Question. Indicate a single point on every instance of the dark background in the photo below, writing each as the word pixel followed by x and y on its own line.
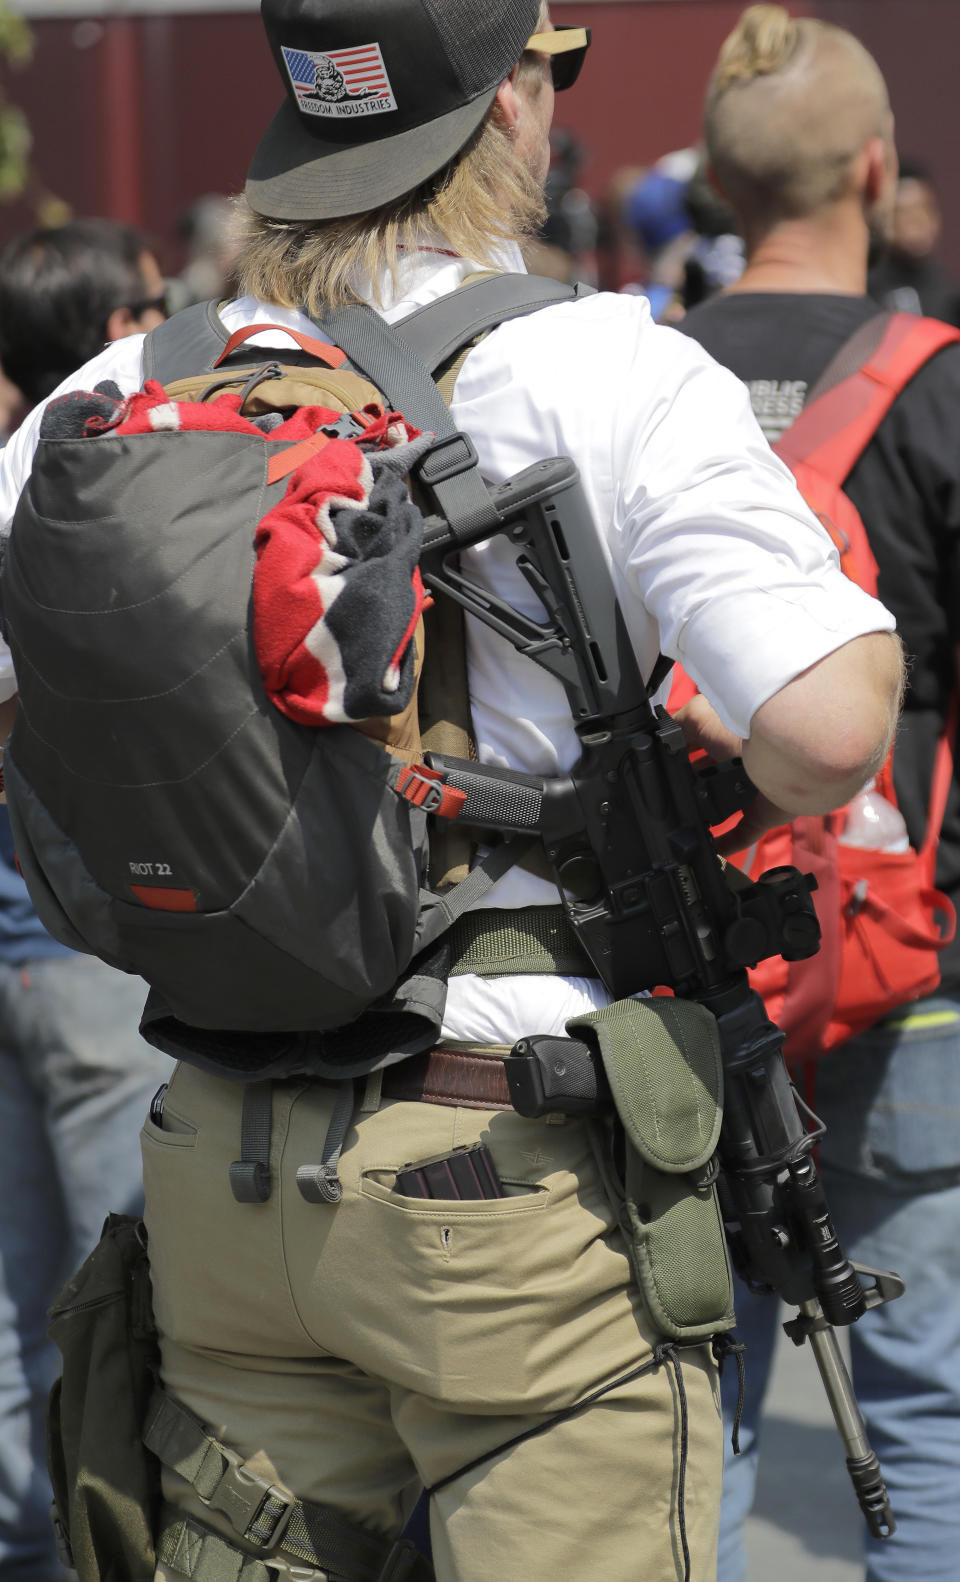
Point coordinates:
pixel 134 116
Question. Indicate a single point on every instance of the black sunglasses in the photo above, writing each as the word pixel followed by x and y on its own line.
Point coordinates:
pixel 567 47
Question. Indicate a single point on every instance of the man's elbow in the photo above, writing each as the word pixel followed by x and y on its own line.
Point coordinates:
pixel 824 734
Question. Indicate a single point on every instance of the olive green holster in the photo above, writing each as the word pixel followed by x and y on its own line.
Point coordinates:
pixel 662 1060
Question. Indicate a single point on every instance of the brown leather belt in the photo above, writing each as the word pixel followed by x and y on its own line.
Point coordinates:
pixel 468 1076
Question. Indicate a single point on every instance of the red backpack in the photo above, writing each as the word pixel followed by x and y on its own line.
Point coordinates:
pixel 883 920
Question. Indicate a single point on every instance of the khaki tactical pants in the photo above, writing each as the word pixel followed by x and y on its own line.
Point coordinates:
pixel 386 1342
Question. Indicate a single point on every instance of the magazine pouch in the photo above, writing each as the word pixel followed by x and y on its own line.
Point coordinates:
pixel 662 1060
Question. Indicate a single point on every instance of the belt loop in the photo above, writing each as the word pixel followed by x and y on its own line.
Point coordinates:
pixel 370 1103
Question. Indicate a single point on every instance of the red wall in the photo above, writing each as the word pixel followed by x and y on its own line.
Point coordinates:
pixel 135 117
pixel 917 43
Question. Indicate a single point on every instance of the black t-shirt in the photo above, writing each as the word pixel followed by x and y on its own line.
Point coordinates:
pixel 906 487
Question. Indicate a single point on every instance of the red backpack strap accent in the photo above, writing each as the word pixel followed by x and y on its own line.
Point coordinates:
pixel 838 423
pixel 284 462
pixel 332 356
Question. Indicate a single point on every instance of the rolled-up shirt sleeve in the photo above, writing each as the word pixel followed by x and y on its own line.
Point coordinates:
pixel 715 539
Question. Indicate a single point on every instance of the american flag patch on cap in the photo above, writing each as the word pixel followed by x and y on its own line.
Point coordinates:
pixel 344 82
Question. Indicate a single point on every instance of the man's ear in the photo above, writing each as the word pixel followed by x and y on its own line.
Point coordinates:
pixel 120 324
pixel 508 103
pixel 877 172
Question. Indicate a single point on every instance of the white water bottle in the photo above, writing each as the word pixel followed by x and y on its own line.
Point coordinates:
pixel 874 822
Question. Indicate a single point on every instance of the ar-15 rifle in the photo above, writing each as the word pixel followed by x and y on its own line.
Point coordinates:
pixel 627 836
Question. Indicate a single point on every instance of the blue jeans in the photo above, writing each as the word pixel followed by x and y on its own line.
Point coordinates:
pixel 891 1167
pixel 75 1083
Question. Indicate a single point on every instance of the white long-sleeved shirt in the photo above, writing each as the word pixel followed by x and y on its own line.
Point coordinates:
pixel 715 557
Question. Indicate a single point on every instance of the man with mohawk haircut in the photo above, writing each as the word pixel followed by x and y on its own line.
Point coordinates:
pixel 800 135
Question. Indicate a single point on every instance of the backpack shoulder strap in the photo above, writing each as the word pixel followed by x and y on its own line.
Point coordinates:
pixel 188 343
pixel 430 335
pixel 391 362
pixel 858 389
pixel 441 328
pixel 940 782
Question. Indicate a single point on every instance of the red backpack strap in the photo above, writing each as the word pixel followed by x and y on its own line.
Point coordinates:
pixel 844 413
pixel 940 782
pixel 332 356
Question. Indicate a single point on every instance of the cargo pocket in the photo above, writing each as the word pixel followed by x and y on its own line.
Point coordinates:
pixel 662 1059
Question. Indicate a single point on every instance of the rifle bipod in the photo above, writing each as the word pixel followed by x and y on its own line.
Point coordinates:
pixel 862 1464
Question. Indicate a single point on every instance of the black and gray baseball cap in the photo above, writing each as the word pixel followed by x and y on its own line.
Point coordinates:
pixel 380 95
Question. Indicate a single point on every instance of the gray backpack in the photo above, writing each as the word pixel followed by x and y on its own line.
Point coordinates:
pixel 267 878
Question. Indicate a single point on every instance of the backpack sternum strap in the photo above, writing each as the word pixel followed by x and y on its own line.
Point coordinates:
pixel 264 1515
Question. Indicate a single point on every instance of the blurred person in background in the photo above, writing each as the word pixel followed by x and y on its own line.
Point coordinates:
pixel 12 407
pixel 76 1079
pixel 905 275
pixel 655 210
pixel 621 262
pixel 718 256
pixel 800 135
pixel 570 231
pixel 68 291
pixel 207 229
pixel 689 234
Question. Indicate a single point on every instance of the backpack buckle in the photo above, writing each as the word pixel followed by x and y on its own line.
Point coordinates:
pixel 447 458
pixel 423 792
pixel 427 789
pixel 258 1511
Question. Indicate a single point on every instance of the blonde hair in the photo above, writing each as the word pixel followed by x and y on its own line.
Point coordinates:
pixel 762 42
pixel 484 197
pixel 790 105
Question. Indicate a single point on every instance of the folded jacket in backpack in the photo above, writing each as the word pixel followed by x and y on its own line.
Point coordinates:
pixel 336 590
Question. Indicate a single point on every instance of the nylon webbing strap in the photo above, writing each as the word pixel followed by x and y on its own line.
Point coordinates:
pixel 188 343
pixel 321 1183
pixel 449 469
pixel 853 355
pixel 250 1174
pixel 264 1515
pixel 202 1555
pixel 495 943
pixel 834 429
pixel 389 363
pixel 479 881
pixel 446 727
pixel 436 330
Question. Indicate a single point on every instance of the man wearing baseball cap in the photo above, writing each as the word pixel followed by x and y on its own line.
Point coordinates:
pixel 497 1351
